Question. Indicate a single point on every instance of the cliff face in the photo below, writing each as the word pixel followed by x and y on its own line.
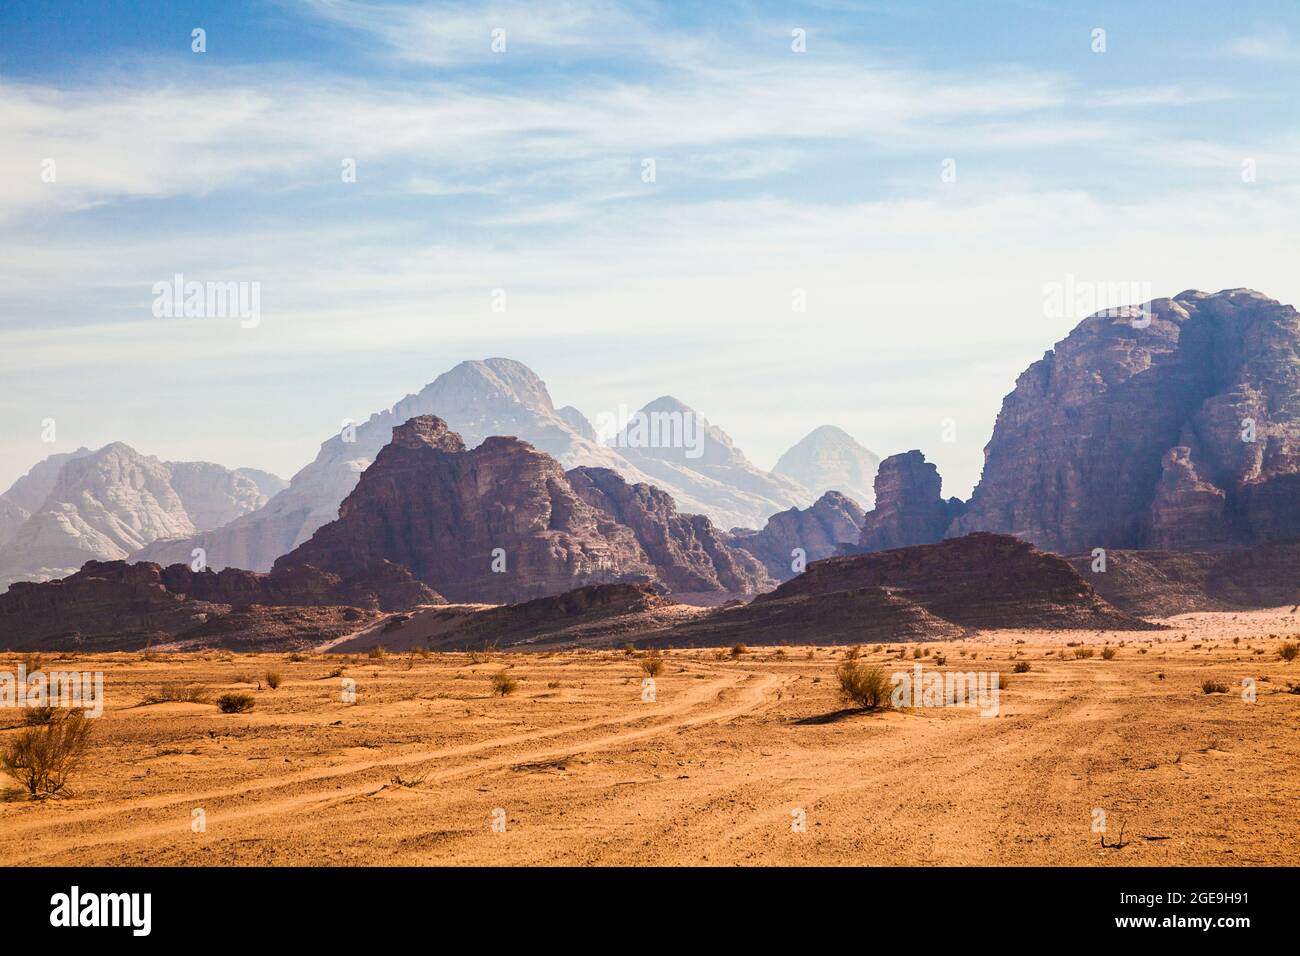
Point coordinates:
pixel 688 552
pixel 1126 437
pixel 451 516
pixel 909 507
pixel 820 530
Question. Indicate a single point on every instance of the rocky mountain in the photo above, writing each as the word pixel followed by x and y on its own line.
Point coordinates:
pixel 699 465
pixel 108 503
pixel 113 605
pixel 909 507
pixel 478 399
pixel 452 515
pixel 820 530
pixel 688 552
pixel 1181 432
pixel 29 492
pixel 1165 583
pixel 828 459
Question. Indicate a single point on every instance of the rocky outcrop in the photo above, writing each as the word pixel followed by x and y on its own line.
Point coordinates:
pixel 689 554
pixel 909 507
pixel 109 503
pixel 113 605
pixel 828 459
pixel 1137 435
pixel 1165 583
pixel 498 523
pixel 819 530
pixel 977 581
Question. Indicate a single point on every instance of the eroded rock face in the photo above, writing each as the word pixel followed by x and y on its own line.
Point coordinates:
pixel 116 605
pixel 1134 437
pixel 818 530
pixel 909 507
pixel 451 515
pixel 688 552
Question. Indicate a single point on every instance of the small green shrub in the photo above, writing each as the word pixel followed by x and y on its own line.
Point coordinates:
pixel 235 703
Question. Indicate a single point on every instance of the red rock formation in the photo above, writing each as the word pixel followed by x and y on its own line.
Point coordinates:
pixel 688 552
pixel 819 530
pixel 909 508
pixel 450 515
pixel 1078 456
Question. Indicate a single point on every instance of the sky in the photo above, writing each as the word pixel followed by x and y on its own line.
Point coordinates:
pixel 785 215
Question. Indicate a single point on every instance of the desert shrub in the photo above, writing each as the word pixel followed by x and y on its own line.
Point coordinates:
pixel 867 687
pixel 503 684
pixel 32 662
pixel 916 653
pixel 1083 653
pixel 738 649
pixel 553 684
pixel 851 653
pixel 377 653
pixel 1021 667
pixel 273 679
pixel 187 693
pixel 1211 686
pixel 1289 651
pixel 940 660
pixel 653 664
pixel 235 703
pixel 1108 653
pixel 629 649
pixel 295 658
pixel 42 758
pixel 338 672
pixel 40 716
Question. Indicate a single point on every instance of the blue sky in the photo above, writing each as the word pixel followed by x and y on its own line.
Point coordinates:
pixel 522 170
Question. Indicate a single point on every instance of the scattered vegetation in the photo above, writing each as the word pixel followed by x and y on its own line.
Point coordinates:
pixel 867 687
pixel 1083 653
pixel 1289 651
pixel 1211 686
pixel 1108 653
pixel 503 684
pixel 1021 667
pixel 377 653
pixel 237 703
pixel 653 664
pixel 40 716
pixel 737 650
pixel 42 758
pixel 273 679
pixel 182 693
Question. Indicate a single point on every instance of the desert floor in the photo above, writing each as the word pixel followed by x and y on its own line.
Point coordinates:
pixel 713 771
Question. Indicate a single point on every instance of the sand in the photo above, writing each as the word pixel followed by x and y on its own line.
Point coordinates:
pixel 722 767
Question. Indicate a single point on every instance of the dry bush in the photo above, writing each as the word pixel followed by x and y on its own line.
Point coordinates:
pixel 653 664
pixel 295 658
pixel 32 662
pixel 186 693
pixel 1211 686
pixel 916 653
pixel 377 653
pixel 503 684
pixel 738 649
pixel 1108 653
pixel 1021 667
pixel 851 653
pixel 235 703
pixel 1289 651
pixel 1083 653
pixel 273 679
pixel 40 716
pixel 42 758
pixel 867 687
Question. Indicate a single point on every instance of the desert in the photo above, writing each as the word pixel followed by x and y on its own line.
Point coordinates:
pixel 742 757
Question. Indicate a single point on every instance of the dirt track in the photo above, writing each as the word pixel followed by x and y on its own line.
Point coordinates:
pixel 709 772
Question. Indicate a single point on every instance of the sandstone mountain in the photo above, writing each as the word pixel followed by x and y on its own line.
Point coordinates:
pixel 111 502
pixel 828 459
pixel 820 530
pixel 1165 583
pixel 909 507
pixel 451 515
pixel 29 492
pixel 701 467
pixel 1179 434
pixel 688 552
pixel 477 399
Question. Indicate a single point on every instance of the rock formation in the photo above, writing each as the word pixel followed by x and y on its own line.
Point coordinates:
pixel 478 399
pixel 819 530
pixel 909 507
pixel 451 516
pixel 1183 433
pixel 689 554
pixel 106 504
pixel 828 459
